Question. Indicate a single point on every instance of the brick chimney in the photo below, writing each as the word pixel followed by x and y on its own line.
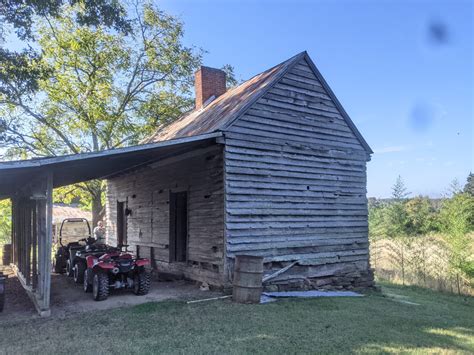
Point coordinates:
pixel 208 82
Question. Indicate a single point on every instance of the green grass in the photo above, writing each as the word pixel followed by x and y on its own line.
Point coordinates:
pixel 378 323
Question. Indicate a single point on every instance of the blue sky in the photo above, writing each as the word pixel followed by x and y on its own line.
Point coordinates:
pixel 403 70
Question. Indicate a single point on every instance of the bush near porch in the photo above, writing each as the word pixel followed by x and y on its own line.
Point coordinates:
pixel 400 319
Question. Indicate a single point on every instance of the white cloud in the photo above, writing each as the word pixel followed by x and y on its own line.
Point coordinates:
pixel 392 149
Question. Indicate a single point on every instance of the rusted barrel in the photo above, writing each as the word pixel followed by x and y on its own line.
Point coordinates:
pixel 247 286
pixel 7 254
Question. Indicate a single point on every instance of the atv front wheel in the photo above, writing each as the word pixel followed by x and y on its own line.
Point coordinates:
pixel 141 283
pixel 100 286
pixel 87 287
pixel 79 269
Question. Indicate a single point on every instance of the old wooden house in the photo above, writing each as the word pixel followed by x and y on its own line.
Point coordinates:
pixel 276 169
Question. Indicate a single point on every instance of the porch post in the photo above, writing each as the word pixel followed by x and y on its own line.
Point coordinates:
pixel 45 220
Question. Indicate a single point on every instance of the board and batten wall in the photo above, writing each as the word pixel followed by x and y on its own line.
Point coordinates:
pixel 295 181
pixel 147 192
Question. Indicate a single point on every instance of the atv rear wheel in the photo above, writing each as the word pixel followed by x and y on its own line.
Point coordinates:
pixel 141 283
pixel 69 268
pixel 58 266
pixel 100 286
pixel 87 287
pixel 78 271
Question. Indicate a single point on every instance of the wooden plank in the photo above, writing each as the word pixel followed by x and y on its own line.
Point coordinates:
pixel 286 231
pixel 334 144
pixel 316 149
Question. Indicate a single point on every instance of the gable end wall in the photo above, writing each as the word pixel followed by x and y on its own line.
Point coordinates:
pixel 295 180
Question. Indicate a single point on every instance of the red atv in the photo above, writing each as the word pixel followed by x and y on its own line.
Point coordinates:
pixel 116 270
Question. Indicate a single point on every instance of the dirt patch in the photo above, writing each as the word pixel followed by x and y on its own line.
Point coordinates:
pixel 67 298
pixel 17 301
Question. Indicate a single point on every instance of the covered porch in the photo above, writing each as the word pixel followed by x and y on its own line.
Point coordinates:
pixel 30 183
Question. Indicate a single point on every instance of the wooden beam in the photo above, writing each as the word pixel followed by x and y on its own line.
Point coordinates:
pixel 185 155
pixel 48 243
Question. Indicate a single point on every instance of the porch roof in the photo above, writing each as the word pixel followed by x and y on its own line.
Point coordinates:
pixel 70 169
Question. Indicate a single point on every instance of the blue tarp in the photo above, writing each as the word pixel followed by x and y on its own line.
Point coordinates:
pixel 267 296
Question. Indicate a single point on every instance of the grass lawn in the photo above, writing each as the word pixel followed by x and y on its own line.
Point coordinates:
pixel 401 319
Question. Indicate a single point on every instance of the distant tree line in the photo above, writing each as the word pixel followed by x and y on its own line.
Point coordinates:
pixel 404 220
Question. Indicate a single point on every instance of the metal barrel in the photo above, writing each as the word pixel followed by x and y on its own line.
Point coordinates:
pixel 247 284
pixel 7 254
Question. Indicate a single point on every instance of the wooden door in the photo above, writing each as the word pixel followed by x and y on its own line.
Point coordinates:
pixel 121 224
pixel 178 226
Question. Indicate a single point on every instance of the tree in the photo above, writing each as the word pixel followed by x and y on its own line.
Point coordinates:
pixel 5 221
pixel 454 187
pixel 457 221
pixel 469 187
pixel 98 89
pixel 22 13
pixel 399 190
pixel 396 222
pixel 421 216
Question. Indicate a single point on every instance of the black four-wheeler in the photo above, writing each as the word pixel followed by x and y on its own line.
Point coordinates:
pixel 116 270
pixel 79 261
pixel 69 244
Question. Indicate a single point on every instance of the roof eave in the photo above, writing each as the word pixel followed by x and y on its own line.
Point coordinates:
pixel 65 158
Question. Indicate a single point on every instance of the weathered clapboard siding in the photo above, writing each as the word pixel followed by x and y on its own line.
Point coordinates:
pixel 146 193
pixel 295 182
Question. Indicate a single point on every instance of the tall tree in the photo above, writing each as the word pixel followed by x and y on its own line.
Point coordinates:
pixel 457 223
pixel 469 187
pixel 98 88
pixel 22 16
pixel 454 187
pixel 399 190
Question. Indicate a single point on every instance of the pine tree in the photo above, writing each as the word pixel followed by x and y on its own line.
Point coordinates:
pixel 399 190
pixel 469 187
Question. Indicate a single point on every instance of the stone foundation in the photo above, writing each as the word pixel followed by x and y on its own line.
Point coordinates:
pixel 302 279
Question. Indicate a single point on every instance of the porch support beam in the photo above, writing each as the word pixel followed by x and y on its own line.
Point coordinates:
pixel 32 235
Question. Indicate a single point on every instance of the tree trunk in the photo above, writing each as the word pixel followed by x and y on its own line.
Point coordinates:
pixel 98 210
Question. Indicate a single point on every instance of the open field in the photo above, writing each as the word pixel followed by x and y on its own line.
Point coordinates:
pixel 422 261
pixel 404 319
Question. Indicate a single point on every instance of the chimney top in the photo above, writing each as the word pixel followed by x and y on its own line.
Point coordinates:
pixel 208 82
